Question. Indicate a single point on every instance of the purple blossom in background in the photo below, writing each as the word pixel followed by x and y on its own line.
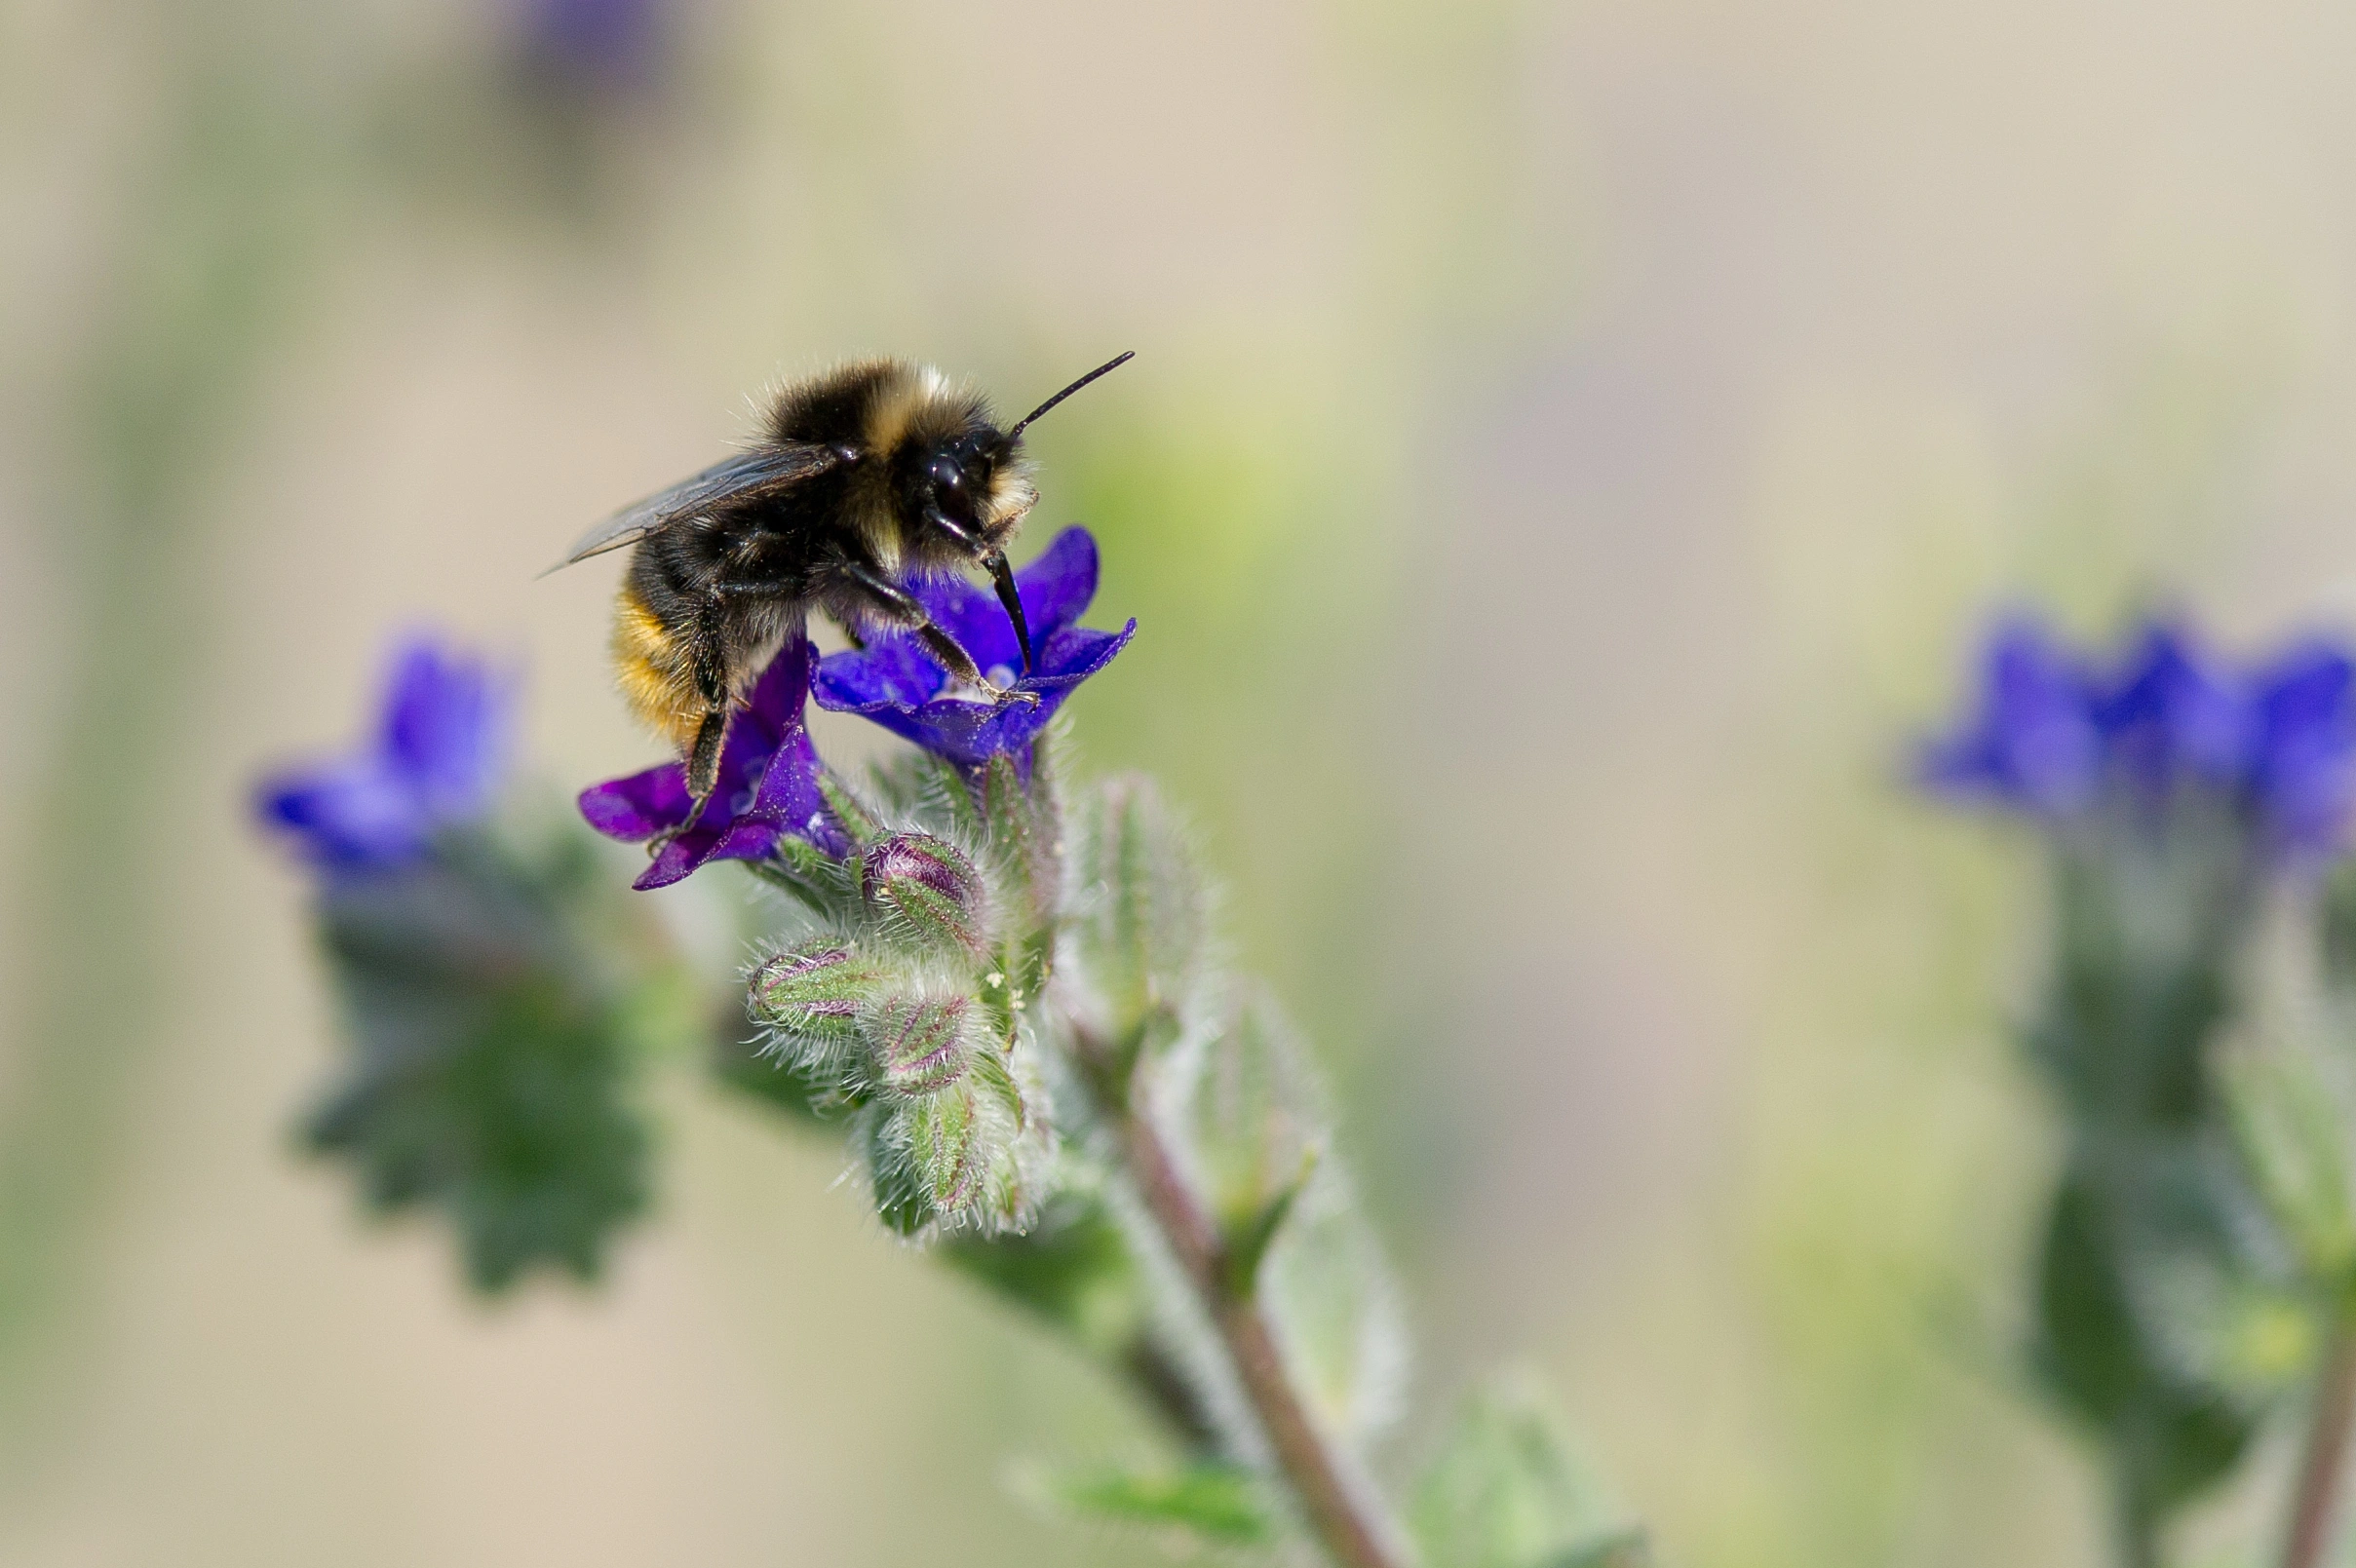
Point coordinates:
pixel 436 760
pixel 896 683
pixel 2054 734
pixel 2174 713
pixel 2304 757
pixel 767 787
pixel 2032 743
pixel 615 44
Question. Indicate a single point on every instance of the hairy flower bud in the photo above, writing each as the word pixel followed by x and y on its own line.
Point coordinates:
pixel 943 1139
pixel 816 989
pixel 929 884
pixel 919 1043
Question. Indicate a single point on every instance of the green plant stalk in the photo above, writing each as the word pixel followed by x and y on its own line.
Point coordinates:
pixel 1337 1501
pixel 2322 1464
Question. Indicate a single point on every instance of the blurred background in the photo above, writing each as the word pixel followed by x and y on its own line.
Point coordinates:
pixel 1568 449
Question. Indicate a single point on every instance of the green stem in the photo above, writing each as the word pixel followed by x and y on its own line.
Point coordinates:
pixel 2315 1502
pixel 1338 1500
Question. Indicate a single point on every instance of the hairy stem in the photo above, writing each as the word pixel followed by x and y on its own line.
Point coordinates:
pixel 2321 1466
pixel 1337 1498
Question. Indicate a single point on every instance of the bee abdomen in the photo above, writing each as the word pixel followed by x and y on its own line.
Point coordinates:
pixel 652 668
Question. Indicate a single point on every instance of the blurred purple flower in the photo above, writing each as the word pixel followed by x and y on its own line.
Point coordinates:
pixel 767 788
pixel 2049 736
pixel 2171 714
pixel 2302 767
pixel 436 760
pixel 615 44
pixel 896 683
pixel 2032 741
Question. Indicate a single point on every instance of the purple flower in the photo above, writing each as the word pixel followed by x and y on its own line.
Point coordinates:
pixel 2172 714
pixel 896 683
pixel 767 787
pixel 2033 742
pixel 2047 737
pixel 2302 771
pixel 435 761
pixel 617 44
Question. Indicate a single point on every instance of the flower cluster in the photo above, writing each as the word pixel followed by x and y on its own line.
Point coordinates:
pixel 904 1009
pixel 2057 734
pixel 902 1006
pixel 771 781
pixel 493 1063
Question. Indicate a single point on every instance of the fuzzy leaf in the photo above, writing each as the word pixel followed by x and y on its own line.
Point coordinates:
pixel 1248 1243
pixel 1252 1120
pixel 1216 1505
pixel 2106 1351
pixel 941 1133
pixel 1503 1492
pixel 490 1081
pixel 1021 836
pixel 1137 941
pixel 2293 1137
pixel 856 820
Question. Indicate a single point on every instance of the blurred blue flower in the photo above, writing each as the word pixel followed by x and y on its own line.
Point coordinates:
pixel 617 44
pixel 2032 741
pixel 2053 736
pixel 767 787
pixel 436 760
pixel 2302 770
pixel 2172 714
pixel 895 682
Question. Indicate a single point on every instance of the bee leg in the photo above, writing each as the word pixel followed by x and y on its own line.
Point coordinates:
pixel 899 605
pixel 702 776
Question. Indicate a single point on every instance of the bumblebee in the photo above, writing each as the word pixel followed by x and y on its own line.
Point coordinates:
pixel 864 478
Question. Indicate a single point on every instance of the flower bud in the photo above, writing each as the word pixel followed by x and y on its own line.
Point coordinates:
pixel 928 883
pixel 943 1142
pixel 816 989
pixel 919 1043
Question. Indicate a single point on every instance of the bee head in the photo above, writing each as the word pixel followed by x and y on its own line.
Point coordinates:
pixel 970 492
pixel 971 487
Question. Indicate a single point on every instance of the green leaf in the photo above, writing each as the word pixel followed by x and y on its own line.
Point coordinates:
pixel 1021 835
pixel 517 1128
pixel 494 1074
pixel 1627 1549
pixel 1503 1492
pixel 2293 1141
pixel 1252 1119
pixel 1138 933
pixel 1248 1245
pixel 1216 1505
pixel 856 820
pixel 2110 1349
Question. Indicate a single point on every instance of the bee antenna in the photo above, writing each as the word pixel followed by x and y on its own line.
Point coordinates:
pixel 1113 363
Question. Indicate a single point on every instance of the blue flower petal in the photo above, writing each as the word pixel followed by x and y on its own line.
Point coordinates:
pixel 436 760
pixel 766 788
pixel 2032 741
pixel 894 682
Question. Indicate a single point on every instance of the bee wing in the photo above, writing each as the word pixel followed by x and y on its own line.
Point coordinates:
pixel 747 475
